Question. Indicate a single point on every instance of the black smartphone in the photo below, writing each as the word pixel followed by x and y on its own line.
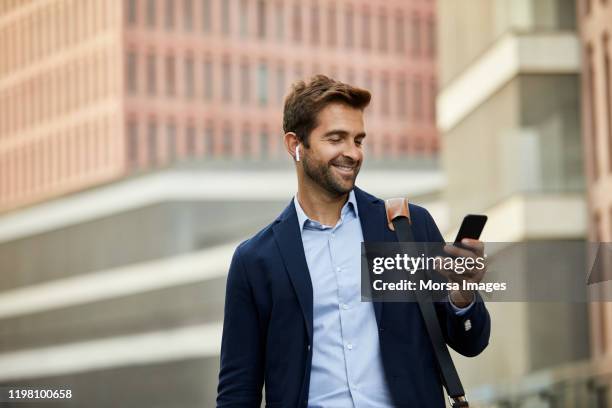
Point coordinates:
pixel 471 227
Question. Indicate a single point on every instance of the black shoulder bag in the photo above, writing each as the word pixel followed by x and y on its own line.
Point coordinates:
pixel 398 218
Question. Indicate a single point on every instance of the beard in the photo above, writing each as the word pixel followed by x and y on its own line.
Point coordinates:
pixel 330 180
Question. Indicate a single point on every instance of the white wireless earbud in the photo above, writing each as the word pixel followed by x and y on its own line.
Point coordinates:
pixel 297 153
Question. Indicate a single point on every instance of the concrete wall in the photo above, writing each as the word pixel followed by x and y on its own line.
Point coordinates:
pixel 466 32
pixel 524 138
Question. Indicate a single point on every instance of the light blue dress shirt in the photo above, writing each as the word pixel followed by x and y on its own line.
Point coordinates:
pixel 347 368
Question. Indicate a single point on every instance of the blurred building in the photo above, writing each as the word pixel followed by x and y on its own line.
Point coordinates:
pixel 595 30
pixel 140 142
pixel 94 90
pixel 117 292
pixel 509 118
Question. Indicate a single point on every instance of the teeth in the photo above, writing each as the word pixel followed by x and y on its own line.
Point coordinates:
pixel 344 167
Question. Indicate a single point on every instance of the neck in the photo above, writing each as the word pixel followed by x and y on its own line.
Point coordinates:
pixel 319 204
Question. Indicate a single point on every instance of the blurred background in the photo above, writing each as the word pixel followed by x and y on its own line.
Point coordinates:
pixel 140 142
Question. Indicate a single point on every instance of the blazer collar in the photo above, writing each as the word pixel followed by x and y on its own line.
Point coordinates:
pixel 287 233
pixel 288 237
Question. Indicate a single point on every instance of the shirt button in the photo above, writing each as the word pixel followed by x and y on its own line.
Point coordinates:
pixel 308 347
pixel 349 346
pixel 338 269
pixel 344 306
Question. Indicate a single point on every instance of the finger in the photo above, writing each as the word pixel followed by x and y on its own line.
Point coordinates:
pixel 446 264
pixel 443 263
pixel 453 276
pixel 461 252
pixel 475 245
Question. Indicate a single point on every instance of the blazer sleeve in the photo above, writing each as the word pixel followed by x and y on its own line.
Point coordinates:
pixel 468 334
pixel 241 373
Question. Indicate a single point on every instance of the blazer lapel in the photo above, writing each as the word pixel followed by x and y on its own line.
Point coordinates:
pixel 289 240
pixel 373 225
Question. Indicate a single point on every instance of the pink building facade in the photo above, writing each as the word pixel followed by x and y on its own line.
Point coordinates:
pixel 95 90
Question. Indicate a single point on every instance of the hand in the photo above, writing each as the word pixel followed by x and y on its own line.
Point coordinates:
pixel 474 248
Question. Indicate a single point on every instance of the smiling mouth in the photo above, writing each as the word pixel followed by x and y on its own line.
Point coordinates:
pixel 348 170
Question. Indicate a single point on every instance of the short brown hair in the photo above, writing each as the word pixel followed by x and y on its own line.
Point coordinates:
pixel 307 99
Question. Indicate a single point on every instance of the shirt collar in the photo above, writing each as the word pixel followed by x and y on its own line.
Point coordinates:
pixel 350 205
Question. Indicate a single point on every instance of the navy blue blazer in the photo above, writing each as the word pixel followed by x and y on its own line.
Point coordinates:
pixel 267 328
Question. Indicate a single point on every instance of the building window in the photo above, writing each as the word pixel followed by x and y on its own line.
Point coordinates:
pixel 349 27
pixel 261 18
pixel 170 75
pixel 297 22
pixel 608 91
pixel 262 84
pixel 387 146
pixel 264 143
pixel 593 113
pixel 417 105
pixel 350 76
pixel 188 14
pixel 227 140
pixel 597 230
pixel 333 72
pixel 416 35
pixel 227 81
pixel 280 84
pixel 208 80
pixel 246 142
pixel 366 35
pixel 171 140
pixel 206 14
pixel 245 83
pixel 404 145
pixel 152 142
pixel 315 26
pixel 610 222
pixel 209 140
pixel 383 31
pixel 400 33
pixel 131 12
pixel 151 13
pixel 225 18
pixel 332 26
pixel 280 21
pixel 368 81
pixel 299 71
pixel 431 37
pixel 189 78
pixel 169 15
pixel 151 74
pixel 131 72
pixel 385 95
pixel 132 144
pixel 401 96
pixel 433 90
pixel 190 140
pixel 244 18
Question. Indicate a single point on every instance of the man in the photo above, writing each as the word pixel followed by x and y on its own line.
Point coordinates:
pixel 293 313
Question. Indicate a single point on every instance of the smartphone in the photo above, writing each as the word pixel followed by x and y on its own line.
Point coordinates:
pixel 471 227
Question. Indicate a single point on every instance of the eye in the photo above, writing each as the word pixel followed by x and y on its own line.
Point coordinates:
pixel 359 142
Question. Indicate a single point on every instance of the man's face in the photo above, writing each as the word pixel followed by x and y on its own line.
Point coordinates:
pixel 335 154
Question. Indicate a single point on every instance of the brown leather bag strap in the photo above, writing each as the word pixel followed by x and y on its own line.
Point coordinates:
pixel 397 207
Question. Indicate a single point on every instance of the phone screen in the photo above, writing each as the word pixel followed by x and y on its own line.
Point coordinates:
pixel 471 227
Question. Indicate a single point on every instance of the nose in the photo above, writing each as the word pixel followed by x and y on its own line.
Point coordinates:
pixel 353 151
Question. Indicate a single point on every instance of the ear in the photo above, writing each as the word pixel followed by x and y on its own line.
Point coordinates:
pixel 291 144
